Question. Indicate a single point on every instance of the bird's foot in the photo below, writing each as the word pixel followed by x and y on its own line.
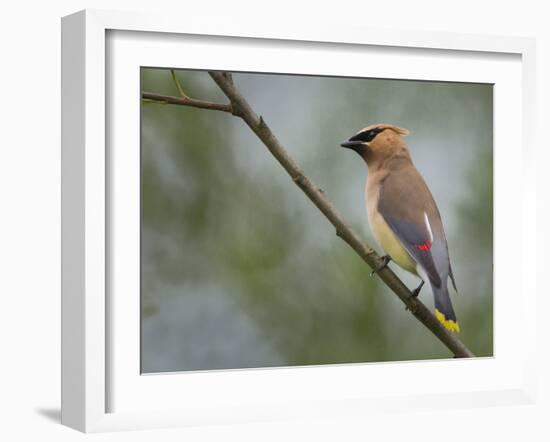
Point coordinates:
pixel 415 292
pixel 386 260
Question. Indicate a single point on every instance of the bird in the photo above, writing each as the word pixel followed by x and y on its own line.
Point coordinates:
pixel 403 215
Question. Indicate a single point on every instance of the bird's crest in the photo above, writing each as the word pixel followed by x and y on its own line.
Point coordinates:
pixel 398 130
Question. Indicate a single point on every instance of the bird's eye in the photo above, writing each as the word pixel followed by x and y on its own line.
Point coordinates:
pixel 367 136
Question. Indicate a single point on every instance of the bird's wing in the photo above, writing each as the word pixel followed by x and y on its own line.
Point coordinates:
pixel 407 206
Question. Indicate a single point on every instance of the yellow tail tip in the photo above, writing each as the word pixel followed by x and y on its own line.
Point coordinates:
pixel 447 323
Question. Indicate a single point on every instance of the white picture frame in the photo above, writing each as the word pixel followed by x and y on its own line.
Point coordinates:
pixel 91 336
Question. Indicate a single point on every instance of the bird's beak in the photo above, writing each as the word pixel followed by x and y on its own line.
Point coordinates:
pixel 356 145
pixel 352 144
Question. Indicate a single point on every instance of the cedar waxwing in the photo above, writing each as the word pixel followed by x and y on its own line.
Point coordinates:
pixel 403 215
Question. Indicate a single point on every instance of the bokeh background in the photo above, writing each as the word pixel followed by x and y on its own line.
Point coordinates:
pixel 239 269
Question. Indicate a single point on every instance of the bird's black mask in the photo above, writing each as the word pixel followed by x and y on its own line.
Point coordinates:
pixel 358 141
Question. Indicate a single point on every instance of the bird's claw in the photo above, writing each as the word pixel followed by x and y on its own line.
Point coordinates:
pixel 415 292
pixel 386 260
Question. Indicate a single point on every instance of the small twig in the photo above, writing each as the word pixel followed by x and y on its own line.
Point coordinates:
pixel 178 85
pixel 186 101
pixel 148 101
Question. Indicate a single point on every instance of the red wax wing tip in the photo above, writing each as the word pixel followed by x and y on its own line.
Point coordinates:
pixel 424 247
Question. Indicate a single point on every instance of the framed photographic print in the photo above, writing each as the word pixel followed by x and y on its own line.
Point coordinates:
pixel 263 223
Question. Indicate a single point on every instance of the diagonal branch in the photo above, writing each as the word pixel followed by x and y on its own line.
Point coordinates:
pixel 240 107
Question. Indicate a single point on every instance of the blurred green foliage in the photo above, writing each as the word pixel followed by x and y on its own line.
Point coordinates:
pixel 239 269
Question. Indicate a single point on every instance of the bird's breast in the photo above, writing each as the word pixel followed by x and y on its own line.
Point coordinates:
pixel 384 235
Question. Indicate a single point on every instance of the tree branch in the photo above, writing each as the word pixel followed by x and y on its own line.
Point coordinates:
pixel 240 107
pixel 186 101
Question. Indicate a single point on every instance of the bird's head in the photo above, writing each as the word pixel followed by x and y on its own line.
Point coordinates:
pixel 377 141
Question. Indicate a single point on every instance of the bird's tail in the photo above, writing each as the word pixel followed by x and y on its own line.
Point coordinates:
pixel 444 309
